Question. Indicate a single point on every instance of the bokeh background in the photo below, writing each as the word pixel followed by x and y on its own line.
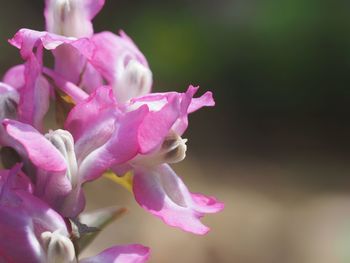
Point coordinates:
pixel 275 148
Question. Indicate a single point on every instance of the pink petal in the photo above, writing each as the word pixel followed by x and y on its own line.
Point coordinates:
pixel 122 146
pixel 121 254
pixel 26 40
pixel 189 105
pixel 157 124
pixel 161 192
pixel 34 96
pixel 91 122
pixel 113 51
pixel 30 143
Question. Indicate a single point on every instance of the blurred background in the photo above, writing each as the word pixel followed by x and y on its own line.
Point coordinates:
pixel 275 148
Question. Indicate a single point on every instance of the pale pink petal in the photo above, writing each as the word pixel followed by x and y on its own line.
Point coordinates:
pixel 161 192
pixel 113 52
pixel 121 254
pixel 15 76
pixel 91 79
pixel 122 64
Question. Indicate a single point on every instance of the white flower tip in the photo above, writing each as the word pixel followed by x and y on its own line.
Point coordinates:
pixel 58 247
pixel 68 18
pixel 175 148
pixel 135 80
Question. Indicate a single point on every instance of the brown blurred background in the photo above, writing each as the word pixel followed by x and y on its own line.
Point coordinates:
pixel 276 147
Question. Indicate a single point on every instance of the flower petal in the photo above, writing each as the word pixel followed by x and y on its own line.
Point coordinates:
pixel 89 135
pixel 122 64
pixel 121 254
pixel 34 96
pixel 15 76
pixel 122 146
pixel 30 143
pixel 161 192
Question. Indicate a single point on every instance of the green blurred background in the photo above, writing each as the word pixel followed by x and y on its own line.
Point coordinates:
pixel 275 148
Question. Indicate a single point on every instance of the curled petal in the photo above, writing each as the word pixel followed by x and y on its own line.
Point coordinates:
pixel 161 192
pixel 26 40
pixel 121 254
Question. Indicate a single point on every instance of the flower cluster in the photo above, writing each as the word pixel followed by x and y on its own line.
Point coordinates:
pixel 108 123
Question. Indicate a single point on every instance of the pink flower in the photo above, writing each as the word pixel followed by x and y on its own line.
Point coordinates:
pixel 153 141
pixel 63 166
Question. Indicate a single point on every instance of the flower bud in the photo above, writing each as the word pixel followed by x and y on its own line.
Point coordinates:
pixel 58 247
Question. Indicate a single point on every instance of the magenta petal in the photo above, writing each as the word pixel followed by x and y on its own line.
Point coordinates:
pixel 121 254
pixel 161 192
pixel 34 96
pixel 30 143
